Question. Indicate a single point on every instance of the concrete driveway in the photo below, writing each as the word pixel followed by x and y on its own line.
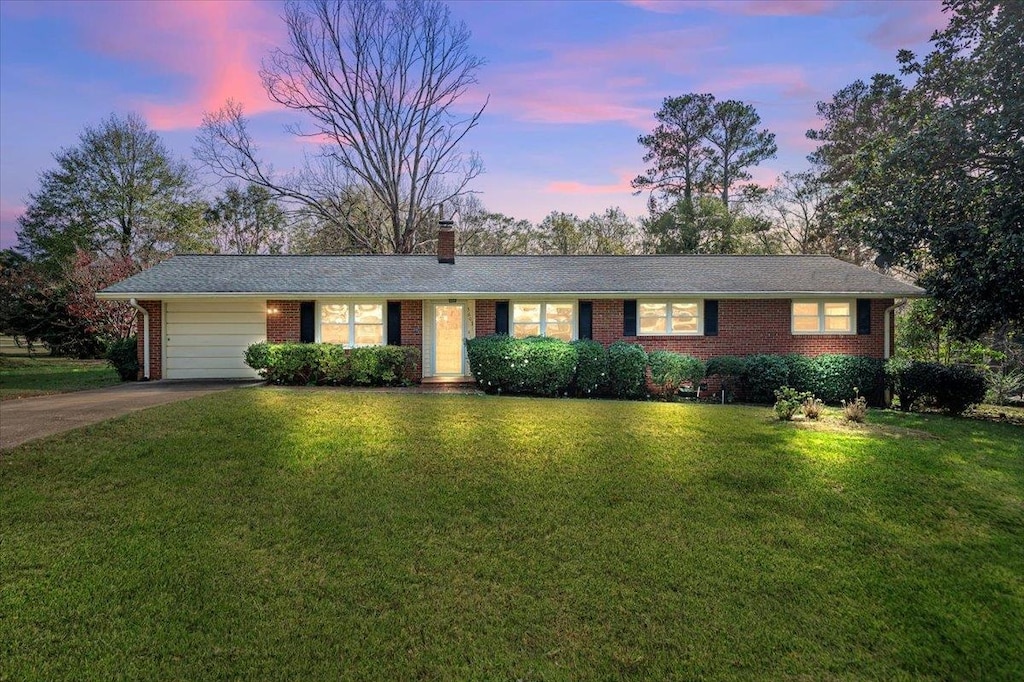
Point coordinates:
pixel 30 418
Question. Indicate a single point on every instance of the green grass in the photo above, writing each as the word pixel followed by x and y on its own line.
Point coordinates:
pixel 22 377
pixel 315 534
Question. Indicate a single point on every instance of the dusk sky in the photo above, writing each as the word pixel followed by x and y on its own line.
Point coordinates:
pixel 571 84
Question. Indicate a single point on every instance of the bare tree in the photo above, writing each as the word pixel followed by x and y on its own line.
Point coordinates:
pixel 379 85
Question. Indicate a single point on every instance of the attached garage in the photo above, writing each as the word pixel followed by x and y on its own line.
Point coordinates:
pixel 207 339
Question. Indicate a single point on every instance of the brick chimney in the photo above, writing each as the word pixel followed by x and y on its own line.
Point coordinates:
pixel 445 241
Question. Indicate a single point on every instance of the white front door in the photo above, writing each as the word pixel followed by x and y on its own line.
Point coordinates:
pixel 449 339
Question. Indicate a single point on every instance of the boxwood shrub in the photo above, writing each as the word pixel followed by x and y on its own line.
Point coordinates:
pixel 728 369
pixel 300 364
pixel 669 371
pixel 123 357
pixel 591 368
pixel 531 366
pixel 762 375
pixel 627 371
pixel 836 377
pixel 953 388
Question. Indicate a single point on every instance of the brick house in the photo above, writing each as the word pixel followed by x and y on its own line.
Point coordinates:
pixel 198 313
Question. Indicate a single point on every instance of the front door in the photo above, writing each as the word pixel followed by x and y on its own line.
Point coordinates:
pixel 449 335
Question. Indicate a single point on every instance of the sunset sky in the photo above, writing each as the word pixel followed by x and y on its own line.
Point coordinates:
pixel 571 84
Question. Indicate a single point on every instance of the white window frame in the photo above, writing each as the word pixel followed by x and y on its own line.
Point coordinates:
pixel 821 302
pixel 667 302
pixel 573 321
pixel 352 319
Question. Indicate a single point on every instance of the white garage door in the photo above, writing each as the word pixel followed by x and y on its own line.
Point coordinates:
pixel 206 339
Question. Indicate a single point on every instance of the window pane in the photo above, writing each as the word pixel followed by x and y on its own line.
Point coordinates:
pixel 842 309
pixel 652 310
pixel 560 330
pixel 559 313
pixel 837 324
pixel 334 333
pixel 805 309
pixel 369 313
pixel 684 309
pixel 522 330
pixel 682 324
pixel 805 323
pixel 652 325
pixel 526 312
pixel 369 334
pixel 335 313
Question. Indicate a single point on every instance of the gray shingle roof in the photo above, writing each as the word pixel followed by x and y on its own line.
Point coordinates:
pixel 495 275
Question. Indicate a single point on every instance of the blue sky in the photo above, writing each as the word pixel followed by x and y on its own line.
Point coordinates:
pixel 571 84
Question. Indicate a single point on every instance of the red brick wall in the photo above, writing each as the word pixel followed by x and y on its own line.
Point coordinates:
pixel 745 327
pixel 156 338
pixel 283 326
pixel 748 327
pixel 485 317
pixel 412 334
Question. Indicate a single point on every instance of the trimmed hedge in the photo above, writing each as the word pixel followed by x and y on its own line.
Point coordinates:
pixel 531 366
pixel 832 377
pixel 669 371
pixel 123 357
pixel 627 371
pixel 304 364
pixel 591 368
pixel 953 388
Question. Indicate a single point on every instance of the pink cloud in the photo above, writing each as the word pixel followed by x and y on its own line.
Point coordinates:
pixel 792 80
pixel 605 83
pixel 752 8
pixel 9 214
pixel 214 46
pixel 905 24
pixel 582 188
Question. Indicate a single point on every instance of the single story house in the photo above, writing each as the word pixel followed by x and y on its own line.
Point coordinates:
pixel 198 313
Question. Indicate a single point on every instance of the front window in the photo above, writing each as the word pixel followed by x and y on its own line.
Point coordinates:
pixel 658 318
pixel 822 317
pixel 554 319
pixel 352 324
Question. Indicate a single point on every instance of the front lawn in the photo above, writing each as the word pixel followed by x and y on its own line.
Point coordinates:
pixel 317 534
pixel 23 377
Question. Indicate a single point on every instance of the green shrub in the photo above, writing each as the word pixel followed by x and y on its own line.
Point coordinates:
pixel 960 387
pixel 123 357
pixel 788 402
pixel 324 363
pixel 532 366
pixel 728 369
pixel 953 388
pixel 591 368
pixel 803 373
pixel 838 376
pixel 627 371
pixel 257 356
pixel 335 366
pixel 669 371
pixel 762 374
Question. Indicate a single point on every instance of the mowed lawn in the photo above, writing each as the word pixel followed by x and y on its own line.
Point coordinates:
pixel 318 534
pixel 24 377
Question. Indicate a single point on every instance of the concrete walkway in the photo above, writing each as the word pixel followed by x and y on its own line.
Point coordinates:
pixel 30 418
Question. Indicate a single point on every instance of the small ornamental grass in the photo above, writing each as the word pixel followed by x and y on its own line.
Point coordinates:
pixel 855 410
pixel 812 407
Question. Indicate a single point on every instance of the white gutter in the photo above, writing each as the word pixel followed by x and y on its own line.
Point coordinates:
pixel 145 337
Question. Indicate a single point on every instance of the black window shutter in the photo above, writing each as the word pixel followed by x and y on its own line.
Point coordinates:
pixel 586 330
pixel 710 318
pixel 394 323
pixel 629 318
pixel 863 316
pixel 501 317
pixel 307 322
